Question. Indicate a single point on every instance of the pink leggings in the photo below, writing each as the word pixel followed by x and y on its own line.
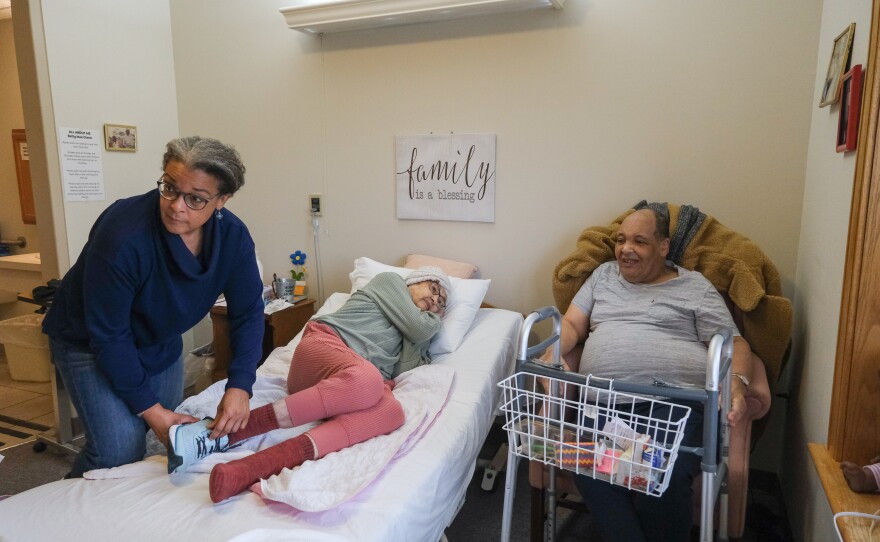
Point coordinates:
pixel 328 380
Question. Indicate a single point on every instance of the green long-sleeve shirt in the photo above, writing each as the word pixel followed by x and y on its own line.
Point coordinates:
pixel 382 324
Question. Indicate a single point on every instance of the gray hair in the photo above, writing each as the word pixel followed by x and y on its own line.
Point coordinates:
pixel 208 155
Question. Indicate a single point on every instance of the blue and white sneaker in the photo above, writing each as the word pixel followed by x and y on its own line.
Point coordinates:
pixel 190 442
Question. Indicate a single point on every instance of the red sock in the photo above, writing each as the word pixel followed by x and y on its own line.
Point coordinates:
pixel 261 420
pixel 228 479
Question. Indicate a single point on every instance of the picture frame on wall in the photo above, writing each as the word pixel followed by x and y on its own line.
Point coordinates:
pixel 837 66
pixel 850 109
pixel 120 137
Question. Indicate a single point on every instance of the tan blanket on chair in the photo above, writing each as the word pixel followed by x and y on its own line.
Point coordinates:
pixel 732 262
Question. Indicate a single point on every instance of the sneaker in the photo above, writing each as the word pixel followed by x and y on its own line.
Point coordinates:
pixel 190 442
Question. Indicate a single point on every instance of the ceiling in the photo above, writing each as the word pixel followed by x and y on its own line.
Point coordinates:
pixel 5 11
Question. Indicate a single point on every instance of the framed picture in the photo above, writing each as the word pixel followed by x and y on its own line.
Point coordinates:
pixel 837 66
pixel 850 109
pixel 119 137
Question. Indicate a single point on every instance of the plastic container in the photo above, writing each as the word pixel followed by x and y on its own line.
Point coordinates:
pixel 197 368
pixel 27 349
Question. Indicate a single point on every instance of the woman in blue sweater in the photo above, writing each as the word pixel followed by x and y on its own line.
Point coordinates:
pixel 152 268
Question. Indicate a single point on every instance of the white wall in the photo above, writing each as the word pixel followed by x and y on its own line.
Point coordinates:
pixel 11 117
pixel 243 77
pixel 595 107
pixel 820 265
pixel 111 62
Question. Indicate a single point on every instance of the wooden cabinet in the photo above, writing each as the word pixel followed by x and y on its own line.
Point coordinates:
pixel 281 327
pixel 23 170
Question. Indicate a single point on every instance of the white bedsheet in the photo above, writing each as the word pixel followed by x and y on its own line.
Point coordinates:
pixel 413 499
pixel 316 486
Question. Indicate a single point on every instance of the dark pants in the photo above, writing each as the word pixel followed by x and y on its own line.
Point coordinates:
pixel 629 516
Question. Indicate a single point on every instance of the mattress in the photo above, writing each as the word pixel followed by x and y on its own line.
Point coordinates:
pixel 414 498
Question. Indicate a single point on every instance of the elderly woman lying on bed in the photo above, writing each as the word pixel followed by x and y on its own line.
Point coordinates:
pixel 341 371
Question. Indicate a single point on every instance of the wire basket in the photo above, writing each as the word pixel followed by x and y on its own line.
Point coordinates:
pixel 625 439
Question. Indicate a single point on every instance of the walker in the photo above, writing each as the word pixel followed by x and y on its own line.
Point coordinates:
pixel 589 425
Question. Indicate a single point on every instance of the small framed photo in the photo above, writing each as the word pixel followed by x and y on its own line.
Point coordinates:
pixel 850 109
pixel 837 66
pixel 119 137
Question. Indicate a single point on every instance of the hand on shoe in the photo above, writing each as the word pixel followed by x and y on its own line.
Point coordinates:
pixel 160 420
pixel 232 413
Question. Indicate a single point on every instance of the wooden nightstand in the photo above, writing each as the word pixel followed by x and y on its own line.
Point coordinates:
pixel 281 327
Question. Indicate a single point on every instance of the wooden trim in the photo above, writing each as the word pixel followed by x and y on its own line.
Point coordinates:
pixel 23 173
pixel 841 498
pixel 866 169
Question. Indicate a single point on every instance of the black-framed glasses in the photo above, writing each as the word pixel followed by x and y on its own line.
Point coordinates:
pixel 171 193
pixel 435 291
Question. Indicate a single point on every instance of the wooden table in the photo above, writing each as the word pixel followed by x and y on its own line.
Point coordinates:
pixel 281 327
pixel 842 498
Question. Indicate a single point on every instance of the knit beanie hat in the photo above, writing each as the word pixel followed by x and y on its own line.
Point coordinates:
pixel 429 273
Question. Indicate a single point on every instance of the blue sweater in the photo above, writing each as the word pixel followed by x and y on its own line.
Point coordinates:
pixel 135 288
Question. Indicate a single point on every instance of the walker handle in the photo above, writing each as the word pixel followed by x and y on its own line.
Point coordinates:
pixel 526 353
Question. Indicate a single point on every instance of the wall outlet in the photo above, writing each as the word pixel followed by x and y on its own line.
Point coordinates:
pixel 315 204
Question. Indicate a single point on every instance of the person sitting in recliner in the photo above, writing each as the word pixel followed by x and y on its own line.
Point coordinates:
pixel 645 319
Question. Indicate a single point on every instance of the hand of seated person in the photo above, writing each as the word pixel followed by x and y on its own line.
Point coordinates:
pixel 738 405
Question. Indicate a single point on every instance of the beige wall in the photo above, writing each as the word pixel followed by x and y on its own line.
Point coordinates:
pixel 822 247
pixel 11 117
pixel 595 107
pixel 112 63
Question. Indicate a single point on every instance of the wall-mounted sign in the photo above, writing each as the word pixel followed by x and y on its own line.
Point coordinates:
pixel 446 177
pixel 81 167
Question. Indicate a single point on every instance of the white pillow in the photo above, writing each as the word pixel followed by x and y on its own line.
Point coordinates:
pixel 461 307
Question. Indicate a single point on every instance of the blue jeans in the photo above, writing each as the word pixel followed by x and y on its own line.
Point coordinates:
pixel 629 516
pixel 114 435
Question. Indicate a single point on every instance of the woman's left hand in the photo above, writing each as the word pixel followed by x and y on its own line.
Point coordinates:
pixel 232 413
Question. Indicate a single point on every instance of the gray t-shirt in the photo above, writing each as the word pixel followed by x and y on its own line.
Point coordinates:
pixel 644 332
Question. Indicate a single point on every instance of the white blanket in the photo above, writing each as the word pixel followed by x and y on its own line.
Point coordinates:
pixel 323 484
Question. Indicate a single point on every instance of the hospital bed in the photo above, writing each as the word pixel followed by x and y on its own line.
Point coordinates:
pixel 414 497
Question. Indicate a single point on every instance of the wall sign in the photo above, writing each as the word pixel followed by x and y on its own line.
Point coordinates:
pixel 446 177
pixel 81 168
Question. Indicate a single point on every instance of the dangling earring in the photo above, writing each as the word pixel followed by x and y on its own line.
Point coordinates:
pixel 218 214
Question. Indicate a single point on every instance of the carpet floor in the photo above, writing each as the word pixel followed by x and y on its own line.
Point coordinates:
pixel 23 468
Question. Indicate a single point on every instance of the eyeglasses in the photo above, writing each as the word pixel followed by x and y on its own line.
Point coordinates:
pixel 435 291
pixel 171 193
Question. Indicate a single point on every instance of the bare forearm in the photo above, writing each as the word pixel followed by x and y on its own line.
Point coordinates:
pixel 568 340
pixel 742 358
pixel 740 365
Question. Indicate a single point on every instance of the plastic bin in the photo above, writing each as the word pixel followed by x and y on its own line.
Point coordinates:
pixel 197 368
pixel 27 349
